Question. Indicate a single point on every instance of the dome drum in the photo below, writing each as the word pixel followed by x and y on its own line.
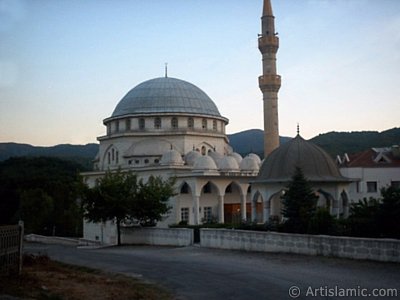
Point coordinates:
pixel 165 123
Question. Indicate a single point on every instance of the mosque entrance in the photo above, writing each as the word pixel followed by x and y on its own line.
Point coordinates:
pixel 233 214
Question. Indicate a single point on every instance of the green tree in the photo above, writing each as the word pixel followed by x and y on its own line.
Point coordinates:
pixel 36 210
pixel 363 218
pixel 152 200
pixel 120 196
pixel 322 222
pixel 388 215
pixel 299 203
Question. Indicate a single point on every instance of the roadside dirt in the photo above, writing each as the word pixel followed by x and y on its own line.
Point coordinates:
pixel 42 278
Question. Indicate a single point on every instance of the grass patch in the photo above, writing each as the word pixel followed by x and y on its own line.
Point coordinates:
pixel 45 279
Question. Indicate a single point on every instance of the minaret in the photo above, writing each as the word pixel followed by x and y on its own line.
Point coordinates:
pixel 269 82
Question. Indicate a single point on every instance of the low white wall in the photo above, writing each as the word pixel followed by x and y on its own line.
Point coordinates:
pixel 346 247
pixel 51 239
pixel 157 236
pixel 104 233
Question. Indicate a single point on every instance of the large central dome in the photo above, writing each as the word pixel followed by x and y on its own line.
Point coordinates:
pixel 166 95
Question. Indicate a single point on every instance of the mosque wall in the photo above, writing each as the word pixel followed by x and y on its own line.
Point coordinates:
pixel 344 247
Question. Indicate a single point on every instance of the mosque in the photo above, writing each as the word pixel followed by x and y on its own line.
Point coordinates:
pixel 169 127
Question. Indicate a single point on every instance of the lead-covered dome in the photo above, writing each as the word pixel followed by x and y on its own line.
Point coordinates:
pixel 315 163
pixel 166 95
pixel 204 163
pixel 171 157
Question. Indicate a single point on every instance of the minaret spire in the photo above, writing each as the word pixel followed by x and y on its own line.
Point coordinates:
pixel 270 81
pixel 267 8
pixel 166 70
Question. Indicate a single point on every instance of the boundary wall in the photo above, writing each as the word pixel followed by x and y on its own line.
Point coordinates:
pixel 344 247
pixel 35 238
pixel 157 236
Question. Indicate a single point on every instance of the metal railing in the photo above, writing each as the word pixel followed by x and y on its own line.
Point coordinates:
pixel 11 247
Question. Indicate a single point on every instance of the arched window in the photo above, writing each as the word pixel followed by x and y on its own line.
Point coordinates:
pixel 207 188
pixel 203 150
pixel 215 125
pixel 204 123
pixel 108 128
pixel 141 123
pixel 117 126
pixel 190 123
pixel 185 188
pixel 228 189
pixel 157 123
pixel 174 122
pixel 127 124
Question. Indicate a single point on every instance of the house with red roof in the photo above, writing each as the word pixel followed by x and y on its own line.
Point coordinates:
pixel 372 170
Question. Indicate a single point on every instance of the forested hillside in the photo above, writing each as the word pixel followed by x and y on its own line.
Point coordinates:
pixel 350 142
pixel 82 154
pixel 42 191
pixel 242 142
pixel 250 141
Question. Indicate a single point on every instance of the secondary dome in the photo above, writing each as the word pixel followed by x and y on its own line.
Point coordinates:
pixel 315 163
pixel 249 164
pixel 171 157
pixel 228 164
pixel 166 95
pixel 190 157
pixel 236 156
pixel 204 163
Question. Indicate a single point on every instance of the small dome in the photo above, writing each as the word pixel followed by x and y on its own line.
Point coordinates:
pixel 237 156
pixel 171 158
pixel 215 155
pixel 191 157
pixel 315 163
pixel 228 164
pixel 166 95
pixel 204 162
pixel 249 163
pixel 256 157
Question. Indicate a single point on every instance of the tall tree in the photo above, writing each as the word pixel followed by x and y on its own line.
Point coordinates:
pixel 299 203
pixel 120 196
pixel 152 201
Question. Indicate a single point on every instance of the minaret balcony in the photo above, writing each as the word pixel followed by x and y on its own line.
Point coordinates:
pixel 269 83
pixel 268 43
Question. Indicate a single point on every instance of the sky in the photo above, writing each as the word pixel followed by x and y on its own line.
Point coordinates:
pixel 65 64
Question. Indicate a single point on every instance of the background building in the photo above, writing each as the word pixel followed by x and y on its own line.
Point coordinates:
pixel 371 170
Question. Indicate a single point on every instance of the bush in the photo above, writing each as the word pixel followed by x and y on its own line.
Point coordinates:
pixel 322 222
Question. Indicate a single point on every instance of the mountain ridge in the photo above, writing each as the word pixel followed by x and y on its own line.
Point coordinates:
pixel 244 142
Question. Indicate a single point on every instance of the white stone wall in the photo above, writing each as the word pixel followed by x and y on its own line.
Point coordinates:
pixel 345 247
pixel 157 236
pixel 104 233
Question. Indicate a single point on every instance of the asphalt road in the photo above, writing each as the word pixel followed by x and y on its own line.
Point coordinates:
pixel 200 273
